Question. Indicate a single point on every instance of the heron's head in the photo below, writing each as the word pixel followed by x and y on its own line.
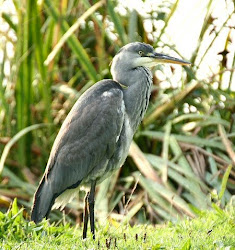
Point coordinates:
pixel 138 54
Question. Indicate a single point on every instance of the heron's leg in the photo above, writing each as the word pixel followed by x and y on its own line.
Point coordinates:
pixel 91 201
pixel 85 216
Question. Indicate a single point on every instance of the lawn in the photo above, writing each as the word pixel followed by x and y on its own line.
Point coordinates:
pixel 214 229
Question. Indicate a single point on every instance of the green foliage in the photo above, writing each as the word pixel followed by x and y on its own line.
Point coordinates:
pixel 224 182
pixel 211 230
pixel 182 153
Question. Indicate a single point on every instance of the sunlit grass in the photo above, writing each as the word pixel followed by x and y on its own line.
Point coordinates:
pixel 211 230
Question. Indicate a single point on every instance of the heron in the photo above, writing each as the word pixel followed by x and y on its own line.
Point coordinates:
pixel 95 137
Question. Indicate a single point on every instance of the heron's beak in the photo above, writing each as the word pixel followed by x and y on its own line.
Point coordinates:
pixel 161 58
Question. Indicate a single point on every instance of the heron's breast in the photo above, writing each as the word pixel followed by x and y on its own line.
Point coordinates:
pixel 119 156
pixel 123 145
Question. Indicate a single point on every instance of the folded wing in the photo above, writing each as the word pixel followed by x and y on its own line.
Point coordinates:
pixel 84 144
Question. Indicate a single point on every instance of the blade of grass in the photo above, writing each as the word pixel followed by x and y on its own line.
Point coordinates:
pixel 27 98
pixel 101 26
pixel 4 105
pixel 170 196
pixel 164 214
pixel 7 18
pixel 205 27
pixel 142 163
pixel 170 103
pixel 71 30
pixel 214 39
pixel 185 179
pixel 224 181
pixel 160 201
pixel 227 143
pixel 165 152
pixel 159 162
pixel 40 53
pixel 212 163
pixel 115 200
pixel 117 22
pixel 49 39
pixel 184 138
pixel 15 138
pixel 23 78
pixel 179 154
pixel 132 27
pixel 15 181
pixel 74 44
pixel 232 72
pixel 172 11
pixel 182 161
pixel 133 211
pixel 207 118
pixel 19 79
pixel 102 198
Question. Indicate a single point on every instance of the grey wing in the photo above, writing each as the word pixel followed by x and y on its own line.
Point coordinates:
pixel 87 139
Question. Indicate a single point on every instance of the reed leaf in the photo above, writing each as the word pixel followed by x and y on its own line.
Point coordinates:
pixel 184 138
pixel 14 139
pixel 170 103
pixel 142 163
pixel 172 11
pixel 7 18
pixel 170 196
pixel 117 22
pixel 71 30
pixel 15 181
pixel 74 44
pixel 214 39
pixel 4 107
pixel 224 181
pixel 132 212
pixel 204 28
pixel 165 151
pixel 132 27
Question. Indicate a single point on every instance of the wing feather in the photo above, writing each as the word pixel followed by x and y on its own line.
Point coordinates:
pixel 88 136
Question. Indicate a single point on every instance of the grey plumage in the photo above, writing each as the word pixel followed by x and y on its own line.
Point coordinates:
pixel 96 135
pixel 74 159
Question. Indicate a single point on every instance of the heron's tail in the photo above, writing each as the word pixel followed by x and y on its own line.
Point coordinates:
pixel 43 201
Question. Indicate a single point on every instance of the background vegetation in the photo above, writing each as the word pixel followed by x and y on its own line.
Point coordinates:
pixel 185 144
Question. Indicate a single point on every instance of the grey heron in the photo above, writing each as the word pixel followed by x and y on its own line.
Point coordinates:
pixel 95 137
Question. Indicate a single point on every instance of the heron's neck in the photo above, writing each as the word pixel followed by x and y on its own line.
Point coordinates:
pixel 137 93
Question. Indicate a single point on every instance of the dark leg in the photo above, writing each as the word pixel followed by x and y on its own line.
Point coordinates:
pixel 91 202
pixel 85 216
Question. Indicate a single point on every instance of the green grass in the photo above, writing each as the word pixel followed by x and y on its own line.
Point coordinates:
pixel 210 230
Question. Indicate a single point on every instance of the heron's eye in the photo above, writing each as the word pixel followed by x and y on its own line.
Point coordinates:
pixel 141 52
